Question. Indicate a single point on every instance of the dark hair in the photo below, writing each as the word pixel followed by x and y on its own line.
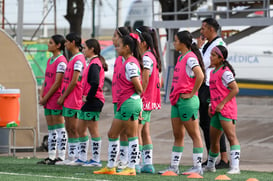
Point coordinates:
pixel 225 55
pixel 132 43
pixel 213 23
pixel 75 37
pixel 122 31
pixel 93 43
pixel 59 39
pixel 148 35
pixel 186 37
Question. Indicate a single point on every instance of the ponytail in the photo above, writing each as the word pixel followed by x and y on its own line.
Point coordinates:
pixel 224 52
pixel 103 62
pixel 148 35
pixel 195 50
pixel 226 63
pixel 131 41
pixel 158 59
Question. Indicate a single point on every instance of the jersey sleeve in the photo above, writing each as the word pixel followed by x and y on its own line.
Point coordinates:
pixel 147 62
pixel 61 67
pixel 227 78
pixel 192 62
pixel 78 66
pixel 131 70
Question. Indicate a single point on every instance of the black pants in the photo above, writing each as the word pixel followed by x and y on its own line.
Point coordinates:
pixel 204 96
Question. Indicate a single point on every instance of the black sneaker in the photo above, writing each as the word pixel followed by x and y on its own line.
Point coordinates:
pixel 46 161
pixel 205 163
pixel 222 165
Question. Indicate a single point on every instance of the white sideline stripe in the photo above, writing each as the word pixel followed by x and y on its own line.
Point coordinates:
pixel 47 176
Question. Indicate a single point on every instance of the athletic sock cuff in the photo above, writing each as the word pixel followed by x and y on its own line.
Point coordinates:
pixel 124 143
pixel 140 147
pixel 178 148
pixel 58 126
pixel 50 128
pixel 73 140
pixel 197 150
pixel 235 147
pixel 213 154
pixel 113 139
pixel 132 138
pixel 148 147
pixel 96 139
pixel 83 139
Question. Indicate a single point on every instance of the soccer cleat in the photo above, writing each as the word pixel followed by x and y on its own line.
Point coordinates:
pixel 57 160
pixel 148 169
pixel 76 162
pixel 92 163
pixel 138 169
pixel 205 163
pixel 195 169
pixel 222 165
pixel 209 169
pixel 174 169
pixel 46 161
pixel 106 170
pixel 127 171
pixel 121 165
pixel 234 171
pixel 65 162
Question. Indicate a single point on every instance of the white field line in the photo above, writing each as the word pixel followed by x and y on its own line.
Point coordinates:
pixel 48 176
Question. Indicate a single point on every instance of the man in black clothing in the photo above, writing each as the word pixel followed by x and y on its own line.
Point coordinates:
pixel 209 32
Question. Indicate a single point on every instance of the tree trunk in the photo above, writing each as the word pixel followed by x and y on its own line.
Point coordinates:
pixel 168 6
pixel 74 15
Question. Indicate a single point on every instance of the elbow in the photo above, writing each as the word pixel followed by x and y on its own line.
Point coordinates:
pixel 202 77
pixel 59 84
pixel 73 84
pixel 237 90
pixel 140 91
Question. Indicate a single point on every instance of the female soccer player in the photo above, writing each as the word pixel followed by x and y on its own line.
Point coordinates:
pixel 93 101
pixel 123 152
pixel 71 98
pixel 129 106
pixel 50 92
pixel 151 93
pixel 187 78
pixel 223 109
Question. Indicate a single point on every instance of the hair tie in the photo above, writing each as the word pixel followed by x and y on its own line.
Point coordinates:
pixel 135 36
pixel 218 52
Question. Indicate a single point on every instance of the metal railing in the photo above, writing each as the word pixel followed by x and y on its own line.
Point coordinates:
pixel 230 12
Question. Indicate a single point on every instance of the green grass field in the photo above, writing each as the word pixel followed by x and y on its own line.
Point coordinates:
pixel 14 169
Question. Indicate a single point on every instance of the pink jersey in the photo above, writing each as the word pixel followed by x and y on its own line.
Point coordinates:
pixel 50 77
pixel 182 83
pixel 117 65
pixel 125 89
pixel 151 97
pixel 87 86
pixel 218 91
pixel 74 99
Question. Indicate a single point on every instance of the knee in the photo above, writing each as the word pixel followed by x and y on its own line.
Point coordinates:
pixel 231 138
pixel 178 135
pixel 94 134
pixel 145 134
pixel 112 135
